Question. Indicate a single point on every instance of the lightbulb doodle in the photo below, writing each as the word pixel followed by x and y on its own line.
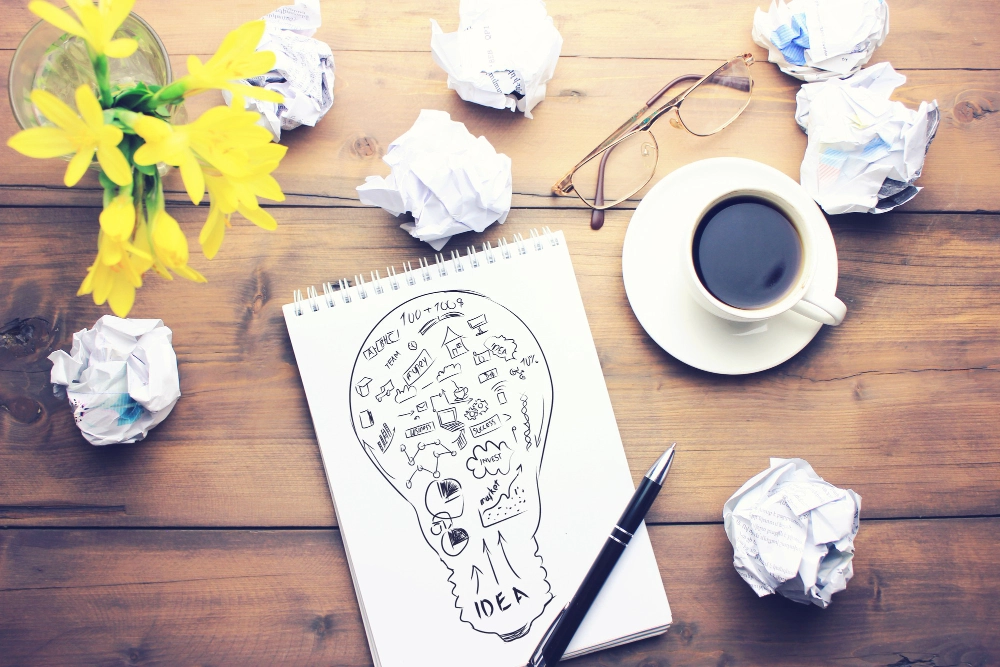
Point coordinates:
pixel 462 440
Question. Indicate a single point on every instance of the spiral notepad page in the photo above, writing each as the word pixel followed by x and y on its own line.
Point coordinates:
pixel 473 456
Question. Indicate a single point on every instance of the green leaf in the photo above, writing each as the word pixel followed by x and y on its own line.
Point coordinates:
pixel 147 169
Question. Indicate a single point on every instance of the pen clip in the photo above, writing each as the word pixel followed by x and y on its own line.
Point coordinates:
pixel 537 658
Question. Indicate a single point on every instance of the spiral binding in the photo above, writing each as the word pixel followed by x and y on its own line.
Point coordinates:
pixel 344 291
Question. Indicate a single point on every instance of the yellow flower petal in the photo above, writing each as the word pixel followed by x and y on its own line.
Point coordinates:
pixel 242 39
pixel 142 244
pixel 121 297
pixel 186 271
pixel 42 142
pixel 57 111
pixel 121 48
pixel 265 186
pixel 255 92
pixel 111 253
pixel 104 280
pixel 87 286
pixel 118 11
pixel 118 218
pixel 90 109
pixel 213 232
pixel 258 216
pixel 194 180
pixel 114 164
pixel 78 167
pixel 151 129
pixel 57 17
pixel 194 65
pixel 93 22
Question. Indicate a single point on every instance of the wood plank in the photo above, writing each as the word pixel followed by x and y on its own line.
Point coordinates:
pixel 379 95
pixel 922 34
pixel 924 592
pixel 911 376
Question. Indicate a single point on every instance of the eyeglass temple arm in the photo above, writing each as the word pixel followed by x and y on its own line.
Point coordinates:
pixel 597 214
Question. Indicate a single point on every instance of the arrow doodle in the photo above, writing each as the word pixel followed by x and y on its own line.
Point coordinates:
pixel 501 540
pixel 476 572
pixel 486 550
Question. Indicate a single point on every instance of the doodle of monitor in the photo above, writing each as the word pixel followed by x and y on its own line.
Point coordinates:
pixel 463 446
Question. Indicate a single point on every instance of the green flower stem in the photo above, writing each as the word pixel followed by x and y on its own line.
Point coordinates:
pixel 100 63
pixel 126 117
pixel 172 94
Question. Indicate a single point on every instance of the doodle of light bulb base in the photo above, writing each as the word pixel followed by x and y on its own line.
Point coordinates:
pixel 458 429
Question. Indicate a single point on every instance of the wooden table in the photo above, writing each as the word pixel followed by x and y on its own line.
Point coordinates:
pixel 214 542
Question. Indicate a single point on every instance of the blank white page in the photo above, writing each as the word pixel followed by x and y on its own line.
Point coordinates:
pixel 473 456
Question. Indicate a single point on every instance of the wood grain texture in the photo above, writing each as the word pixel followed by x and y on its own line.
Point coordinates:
pixel 922 33
pixel 924 593
pixel 912 375
pixel 379 95
pixel 213 542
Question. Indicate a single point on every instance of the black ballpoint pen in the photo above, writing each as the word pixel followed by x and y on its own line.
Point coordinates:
pixel 559 634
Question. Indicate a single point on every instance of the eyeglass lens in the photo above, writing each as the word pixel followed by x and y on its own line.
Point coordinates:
pixel 717 100
pixel 626 167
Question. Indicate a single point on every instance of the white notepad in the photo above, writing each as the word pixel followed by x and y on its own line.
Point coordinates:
pixel 473 456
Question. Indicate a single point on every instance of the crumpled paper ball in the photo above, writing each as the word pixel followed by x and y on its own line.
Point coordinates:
pixel 502 55
pixel 793 533
pixel 865 152
pixel 815 40
pixel 303 69
pixel 450 181
pixel 120 377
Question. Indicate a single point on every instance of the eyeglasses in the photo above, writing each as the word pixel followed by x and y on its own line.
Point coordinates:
pixel 625 162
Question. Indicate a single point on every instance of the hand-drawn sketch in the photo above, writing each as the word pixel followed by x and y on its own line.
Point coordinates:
pixel 362 386
pixel 478 324
pixel 468 460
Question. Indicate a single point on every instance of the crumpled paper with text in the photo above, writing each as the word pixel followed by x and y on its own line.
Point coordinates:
pixel 793 533
pixel 449 180
pixel 865 152
pixel 120 377
pixel 303 70
pixel 815 40
pixel 502 55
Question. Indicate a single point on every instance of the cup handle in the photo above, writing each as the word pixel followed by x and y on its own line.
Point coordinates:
pixel 827 309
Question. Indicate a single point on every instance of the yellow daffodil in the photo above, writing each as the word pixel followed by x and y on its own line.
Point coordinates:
pixel 237 58
pixel 73 134
pixel 118 217
pixel 221 137
pixel 230 194
pixel 170 246
pixel 112 281
pixel 97 23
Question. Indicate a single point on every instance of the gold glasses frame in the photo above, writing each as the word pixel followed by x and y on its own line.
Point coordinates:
pixel 642 121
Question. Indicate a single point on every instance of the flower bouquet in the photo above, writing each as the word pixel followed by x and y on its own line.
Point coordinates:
pixel 129 128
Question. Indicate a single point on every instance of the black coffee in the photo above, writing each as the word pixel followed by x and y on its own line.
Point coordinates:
pixel 747 253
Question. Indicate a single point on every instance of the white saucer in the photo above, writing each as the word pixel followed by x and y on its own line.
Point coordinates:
pixel 656 288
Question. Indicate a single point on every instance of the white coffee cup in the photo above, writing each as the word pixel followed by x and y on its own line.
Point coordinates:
pixel 802 297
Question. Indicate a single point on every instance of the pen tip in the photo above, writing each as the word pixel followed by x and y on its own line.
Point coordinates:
pixel 659 471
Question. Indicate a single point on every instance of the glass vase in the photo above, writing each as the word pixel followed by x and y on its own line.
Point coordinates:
pixel 57 62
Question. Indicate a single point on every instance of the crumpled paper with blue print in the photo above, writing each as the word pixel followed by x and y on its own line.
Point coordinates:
pixel 502 55
pixel 793 533
pixel 815 40
pixel 120 377
pixel 865 151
